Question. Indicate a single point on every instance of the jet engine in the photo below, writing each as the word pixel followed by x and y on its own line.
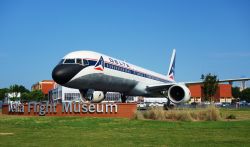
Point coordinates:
pixel 96 96
pixel 178 93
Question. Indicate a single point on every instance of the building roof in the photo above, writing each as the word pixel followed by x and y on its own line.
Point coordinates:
pixel 47 81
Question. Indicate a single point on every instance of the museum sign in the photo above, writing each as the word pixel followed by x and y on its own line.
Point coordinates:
pixel 71 108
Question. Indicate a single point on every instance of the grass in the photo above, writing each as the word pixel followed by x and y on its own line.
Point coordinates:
pixel 78 131
pixel 240 114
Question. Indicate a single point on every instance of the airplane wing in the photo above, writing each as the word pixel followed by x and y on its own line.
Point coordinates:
pixel 160 87
pixel 219 81
pixel 166 86
pixel 163 87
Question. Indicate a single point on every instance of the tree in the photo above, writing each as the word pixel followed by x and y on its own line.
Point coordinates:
pixel 245 95
pixel 26 96
pixel 236 92
pixel 16 89
pixel 22 89
pixel 202 77
pixel 3 91
pixel 210 86
pixel 37 95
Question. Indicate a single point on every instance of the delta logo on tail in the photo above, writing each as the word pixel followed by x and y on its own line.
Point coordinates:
pixel 171 72
pixel 100 64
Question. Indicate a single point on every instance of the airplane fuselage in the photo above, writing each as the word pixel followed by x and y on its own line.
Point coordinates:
pixel 92 70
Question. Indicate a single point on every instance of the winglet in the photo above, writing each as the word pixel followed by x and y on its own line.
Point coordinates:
pixel 171 70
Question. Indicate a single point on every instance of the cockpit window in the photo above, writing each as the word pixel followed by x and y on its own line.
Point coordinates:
pixel 79 61
pixel 75 61
pixel 85 62
pixel 69 61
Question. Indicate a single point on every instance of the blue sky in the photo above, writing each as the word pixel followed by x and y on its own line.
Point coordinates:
pixel 209 35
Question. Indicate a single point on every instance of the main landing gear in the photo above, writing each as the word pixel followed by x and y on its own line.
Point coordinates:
pixel 168 105
pixel 83 93
pixel 123 98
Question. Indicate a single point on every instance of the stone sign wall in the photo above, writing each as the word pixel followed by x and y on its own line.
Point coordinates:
pixel 126 110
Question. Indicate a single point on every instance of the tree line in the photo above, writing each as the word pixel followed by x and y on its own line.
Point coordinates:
pixel 243 95
pixel 211 85
pixel 25 94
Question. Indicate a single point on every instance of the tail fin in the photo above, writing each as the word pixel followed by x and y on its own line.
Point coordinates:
pixel 171 70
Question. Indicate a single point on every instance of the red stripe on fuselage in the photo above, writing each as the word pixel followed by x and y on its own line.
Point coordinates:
pixel 99 68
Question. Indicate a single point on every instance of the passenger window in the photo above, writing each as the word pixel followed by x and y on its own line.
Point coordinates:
pixel 85 62
pixel 79 61
pixel 69 61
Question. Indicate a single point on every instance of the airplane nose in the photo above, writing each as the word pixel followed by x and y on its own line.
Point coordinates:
pixel 63 73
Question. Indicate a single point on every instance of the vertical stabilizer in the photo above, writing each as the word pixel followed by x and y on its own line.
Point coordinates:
pixel 171 70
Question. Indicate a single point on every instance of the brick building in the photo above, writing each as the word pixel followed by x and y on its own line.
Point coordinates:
pixel 223 93
pixel 45 86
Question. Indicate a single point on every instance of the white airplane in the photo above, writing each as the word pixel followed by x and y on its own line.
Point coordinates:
pixel 85 70
pixel 96 73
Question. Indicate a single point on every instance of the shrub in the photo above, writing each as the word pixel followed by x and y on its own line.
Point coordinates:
pixel 184 116
pixel 138 115
pixel 155 114
pixel 213 113
pixel 231 116
pixel 209 114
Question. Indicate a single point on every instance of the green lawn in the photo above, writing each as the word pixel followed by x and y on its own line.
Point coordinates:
pixel 77 131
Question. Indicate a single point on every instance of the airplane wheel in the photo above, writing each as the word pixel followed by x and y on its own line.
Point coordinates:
pixel 124 98
pixel 168 105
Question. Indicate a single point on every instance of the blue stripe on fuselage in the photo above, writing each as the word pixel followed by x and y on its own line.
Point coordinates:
pixel 129 71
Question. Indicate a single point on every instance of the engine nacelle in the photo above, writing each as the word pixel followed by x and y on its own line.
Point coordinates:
pixel 179 93
pixel 96 96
